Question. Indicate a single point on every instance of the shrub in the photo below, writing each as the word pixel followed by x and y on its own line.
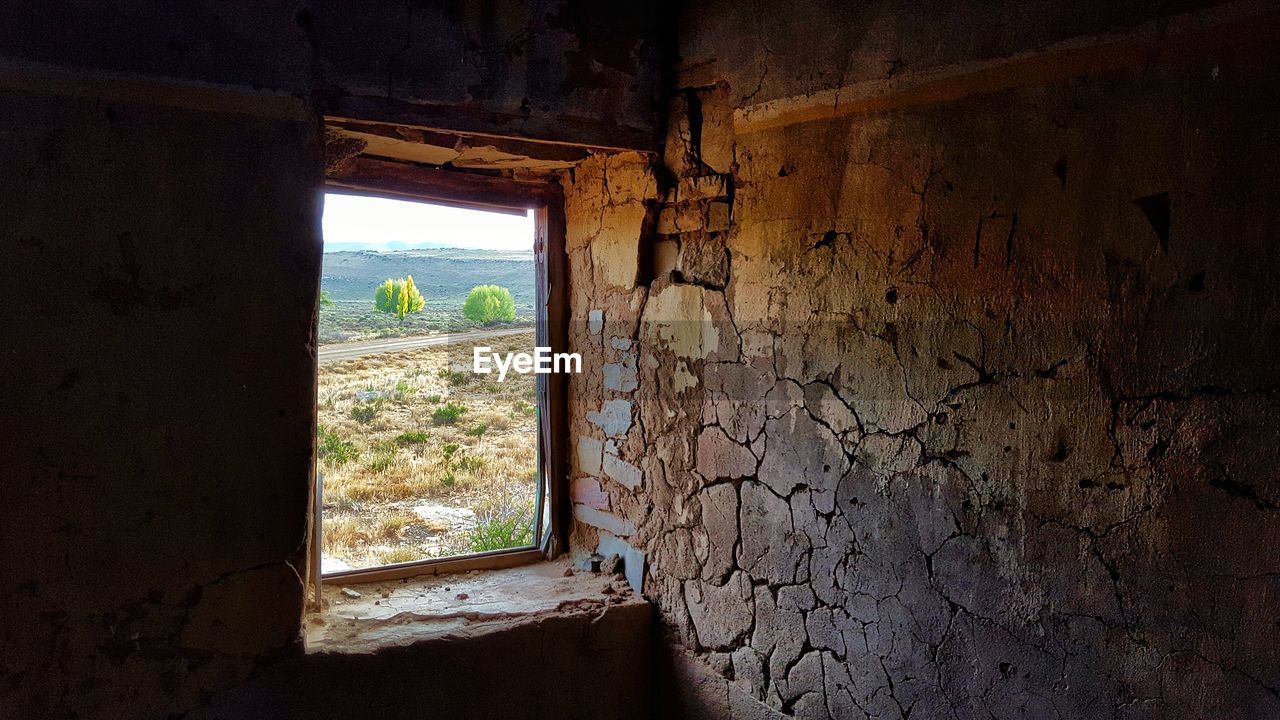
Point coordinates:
pixel 332 447
pixel 383 459
pixel 433 399
pixel 365 412
pixel 454 377
pixel 412 437
pixel 489 303
pixel 477 430
pixel 455 462
pixel 398 297
pixel 447 414
pixel 404 390
pixel 467 463
pixel 502 529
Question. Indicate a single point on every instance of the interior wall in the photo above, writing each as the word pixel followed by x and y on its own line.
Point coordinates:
pixel 162 264
pixel 568 71
pixel 957 403
pixel 161 178
pixel 588 663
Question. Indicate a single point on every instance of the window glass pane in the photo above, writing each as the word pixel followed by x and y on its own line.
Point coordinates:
pixel 422 457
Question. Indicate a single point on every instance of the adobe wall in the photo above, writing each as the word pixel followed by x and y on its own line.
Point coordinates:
pixel 160 203
pixel 940 382
pixel 162 262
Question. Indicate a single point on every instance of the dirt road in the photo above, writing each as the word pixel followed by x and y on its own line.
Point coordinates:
pixel 351 351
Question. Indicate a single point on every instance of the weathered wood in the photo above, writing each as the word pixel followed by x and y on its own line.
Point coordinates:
pixel 534 149
pixel 554 321
pixel 450 187
pixel 562 130
pixel 317 544
pixel 482 561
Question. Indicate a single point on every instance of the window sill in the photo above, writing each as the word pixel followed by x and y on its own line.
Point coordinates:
pixel 400 612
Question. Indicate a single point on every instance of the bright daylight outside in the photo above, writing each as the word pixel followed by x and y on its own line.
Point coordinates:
pixel 418 456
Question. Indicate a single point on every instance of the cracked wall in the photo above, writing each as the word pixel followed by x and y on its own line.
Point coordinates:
pixel 958 408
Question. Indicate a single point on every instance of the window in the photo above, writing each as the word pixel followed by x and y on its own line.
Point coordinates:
pixel 423 464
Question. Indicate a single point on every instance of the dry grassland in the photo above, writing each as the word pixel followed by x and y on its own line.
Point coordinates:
pixel 423 459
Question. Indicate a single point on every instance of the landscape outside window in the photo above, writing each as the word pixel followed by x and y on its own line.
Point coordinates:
pixel 420 457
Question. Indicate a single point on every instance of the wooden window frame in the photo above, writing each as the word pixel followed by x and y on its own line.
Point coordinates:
pixel 389 179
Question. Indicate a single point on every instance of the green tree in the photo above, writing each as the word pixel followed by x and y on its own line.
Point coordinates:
pixel 489 303
pixel 398 297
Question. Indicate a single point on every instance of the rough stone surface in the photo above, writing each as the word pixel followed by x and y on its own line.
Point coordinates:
pixel 603 520
pixel 587 491
pixel 974 418
pixel 621 471
pixel 633 562
pixel 588 452
pixel 613 418
pixel 622 376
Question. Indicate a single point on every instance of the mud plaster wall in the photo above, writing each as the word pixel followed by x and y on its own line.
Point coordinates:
pixel 158 391
pixel 960 409
pixel 569 70
pixel 160 169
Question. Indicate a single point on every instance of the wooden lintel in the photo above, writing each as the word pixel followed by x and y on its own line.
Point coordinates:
pixel 454 187
pixel 558 130
pixel 513 146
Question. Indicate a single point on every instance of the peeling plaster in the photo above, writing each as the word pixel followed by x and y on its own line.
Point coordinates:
pixel 899 466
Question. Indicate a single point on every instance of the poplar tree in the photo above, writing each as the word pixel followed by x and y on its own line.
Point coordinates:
pixel 398 297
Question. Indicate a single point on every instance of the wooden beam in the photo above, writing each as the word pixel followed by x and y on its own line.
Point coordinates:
pixel 455 140
pixel 388 177
pixel 558 129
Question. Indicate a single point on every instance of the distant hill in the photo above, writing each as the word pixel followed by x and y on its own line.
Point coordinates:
pixel 445 275
pixel 334 246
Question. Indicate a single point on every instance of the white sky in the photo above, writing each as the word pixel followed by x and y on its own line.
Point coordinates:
pixel 380 221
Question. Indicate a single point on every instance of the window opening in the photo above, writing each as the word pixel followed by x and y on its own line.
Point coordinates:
pixel 419 458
